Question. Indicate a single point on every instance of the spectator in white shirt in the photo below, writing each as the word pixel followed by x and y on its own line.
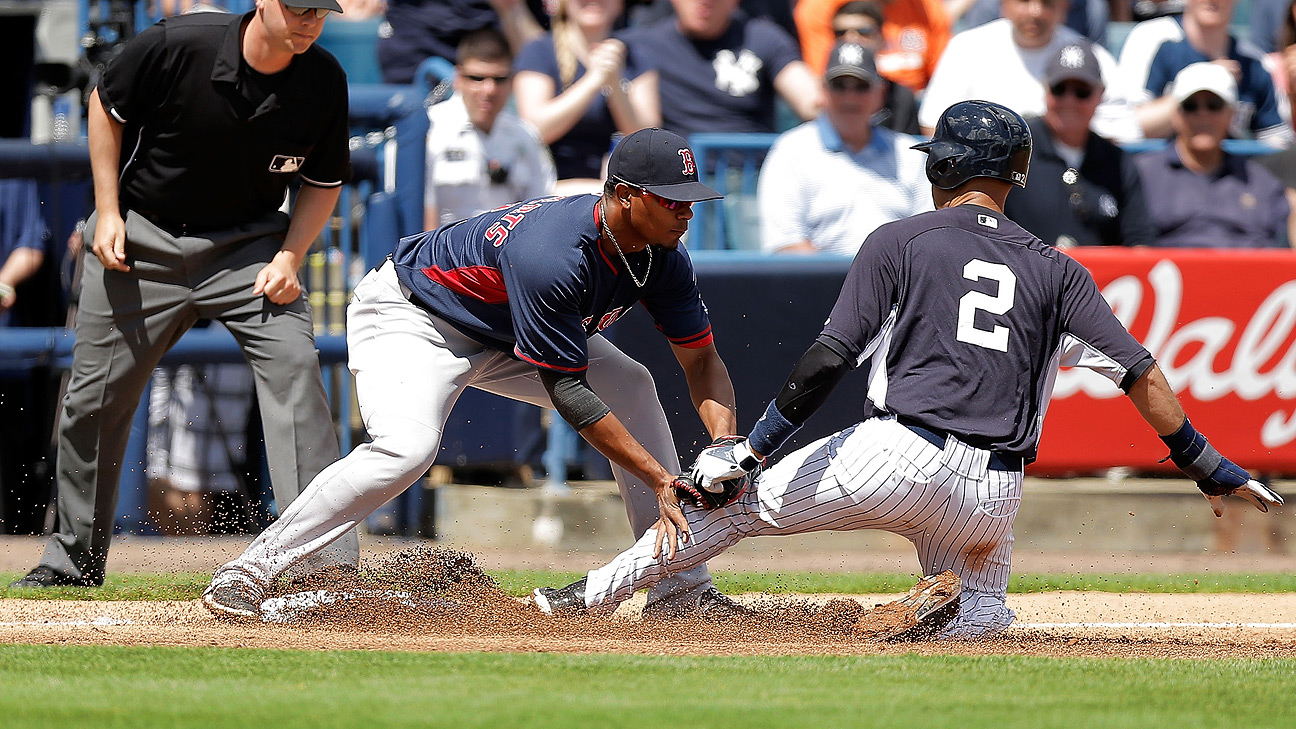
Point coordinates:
pixel 1004 61
pixel 480 156
pixel 828 183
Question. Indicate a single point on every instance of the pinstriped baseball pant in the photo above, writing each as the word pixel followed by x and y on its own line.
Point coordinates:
pixel 874 475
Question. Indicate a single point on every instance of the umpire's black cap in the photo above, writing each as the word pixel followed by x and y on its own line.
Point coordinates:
pixel 978 139
pixel 661 163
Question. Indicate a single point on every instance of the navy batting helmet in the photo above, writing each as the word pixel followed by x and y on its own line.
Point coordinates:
pixel 978 139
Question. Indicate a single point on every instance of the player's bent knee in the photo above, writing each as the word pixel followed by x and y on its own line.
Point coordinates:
pixel 402 456
pixel 633 384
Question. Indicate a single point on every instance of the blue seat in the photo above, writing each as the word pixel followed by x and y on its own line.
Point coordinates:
pixel 355 44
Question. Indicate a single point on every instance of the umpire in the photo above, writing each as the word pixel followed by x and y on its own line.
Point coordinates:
pixel 196 129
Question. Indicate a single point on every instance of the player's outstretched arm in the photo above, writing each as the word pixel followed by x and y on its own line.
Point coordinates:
pixel 1215 475
pixel 710 388
pixel 807 388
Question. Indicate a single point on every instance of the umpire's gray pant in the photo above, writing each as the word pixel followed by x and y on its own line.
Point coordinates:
pixel 128 319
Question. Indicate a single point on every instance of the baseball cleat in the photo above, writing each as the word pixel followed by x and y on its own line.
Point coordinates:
pixel 924 611
pixel 569 600
pixel 715 605
pixel 233 600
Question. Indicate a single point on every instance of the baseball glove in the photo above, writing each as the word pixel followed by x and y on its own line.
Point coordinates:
pixel 717 496
pixel 707 493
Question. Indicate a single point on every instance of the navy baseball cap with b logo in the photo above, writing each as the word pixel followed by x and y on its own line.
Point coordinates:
pixel 661 163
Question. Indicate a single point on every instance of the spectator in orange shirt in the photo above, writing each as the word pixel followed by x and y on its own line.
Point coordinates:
pixel 914 32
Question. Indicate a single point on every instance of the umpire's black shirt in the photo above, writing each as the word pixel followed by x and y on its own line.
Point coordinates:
pixel 209 143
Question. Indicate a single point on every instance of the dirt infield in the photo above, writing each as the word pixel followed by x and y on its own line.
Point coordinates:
pixel 448 604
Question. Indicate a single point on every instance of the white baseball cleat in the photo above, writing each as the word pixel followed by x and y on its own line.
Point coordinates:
pixel 233 599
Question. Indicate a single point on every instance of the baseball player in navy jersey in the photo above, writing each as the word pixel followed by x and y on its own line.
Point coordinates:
pixel 512 302
pixel 963 318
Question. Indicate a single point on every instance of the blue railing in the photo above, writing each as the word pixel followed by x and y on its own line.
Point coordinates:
pixel 731 164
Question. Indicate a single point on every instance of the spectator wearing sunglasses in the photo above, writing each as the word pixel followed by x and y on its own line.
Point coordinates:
pixel 1004 61
pixel 1083 189
pixel 1199 195
pixel 913 36
pixel 480 155
pixel 828 183
pixel 860 21
pixel 1201 34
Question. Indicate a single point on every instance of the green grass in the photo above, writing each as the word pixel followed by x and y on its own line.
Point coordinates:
pixel 173 687
pixel 119 586
pixel 185 586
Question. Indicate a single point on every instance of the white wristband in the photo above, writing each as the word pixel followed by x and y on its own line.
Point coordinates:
pixel 6 290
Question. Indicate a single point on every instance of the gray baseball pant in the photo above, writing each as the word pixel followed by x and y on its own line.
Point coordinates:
pixel 128 319
pixel 410 367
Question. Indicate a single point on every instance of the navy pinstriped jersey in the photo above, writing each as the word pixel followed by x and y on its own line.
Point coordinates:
pixel 532 279
pixel 966 317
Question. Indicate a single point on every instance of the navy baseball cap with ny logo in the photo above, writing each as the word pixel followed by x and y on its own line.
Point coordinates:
pixel 661 163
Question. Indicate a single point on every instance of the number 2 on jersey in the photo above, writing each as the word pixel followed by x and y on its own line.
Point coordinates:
pixel 973 301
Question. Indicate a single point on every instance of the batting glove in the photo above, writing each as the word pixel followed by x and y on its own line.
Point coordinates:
pixel 1230 480
pixel 1216 476
pixel 729 457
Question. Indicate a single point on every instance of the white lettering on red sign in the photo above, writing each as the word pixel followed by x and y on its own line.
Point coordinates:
pixel 1262 338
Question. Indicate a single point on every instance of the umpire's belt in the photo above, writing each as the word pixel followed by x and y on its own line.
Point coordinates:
pixel 998 461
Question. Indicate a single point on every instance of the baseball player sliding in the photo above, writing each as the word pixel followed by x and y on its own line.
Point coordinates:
pixel 963 318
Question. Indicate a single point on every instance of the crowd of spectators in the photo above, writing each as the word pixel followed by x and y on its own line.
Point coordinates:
pixel 607 68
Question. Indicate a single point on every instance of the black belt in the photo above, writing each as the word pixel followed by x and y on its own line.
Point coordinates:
pixel 998 461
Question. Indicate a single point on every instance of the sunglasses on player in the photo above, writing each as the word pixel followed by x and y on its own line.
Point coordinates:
pixel 319 12
pixel 1081 91
pixel 668 204
pixel 1210 103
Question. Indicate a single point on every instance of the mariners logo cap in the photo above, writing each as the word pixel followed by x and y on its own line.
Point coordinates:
pixel 321 4
pixel 661 163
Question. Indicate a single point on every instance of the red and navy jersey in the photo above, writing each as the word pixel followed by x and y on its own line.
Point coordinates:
pixel 532 279
pixel 966 318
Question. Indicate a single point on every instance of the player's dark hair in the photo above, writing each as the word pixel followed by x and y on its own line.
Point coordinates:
pixel 861 7
pixel 487 44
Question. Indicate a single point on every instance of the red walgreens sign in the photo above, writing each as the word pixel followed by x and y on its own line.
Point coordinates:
pixel 1222 325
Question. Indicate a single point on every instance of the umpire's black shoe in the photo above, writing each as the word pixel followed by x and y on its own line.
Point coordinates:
pixel 43 576
pixel 569 600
